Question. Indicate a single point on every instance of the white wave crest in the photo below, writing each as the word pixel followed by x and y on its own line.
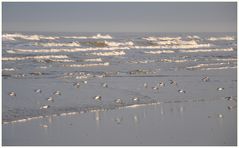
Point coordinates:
pixel 116 44
pixel 205 65
pixel 34 57
pixel 151 38
pixel 98 36
pixel 112 53
pixel 75 37
pixel 159 51
pixel 87 65
pixel 173 46
pixel 8 69
pixel 206 50
pixel 61 60
pixel 65 50
pixel 226 38
pixel 176 42
pixel 52 44
pixel 228 59
pixel 219 68
pixel 174 61
pixel 193 37
pixel 27 37
pixel 93 60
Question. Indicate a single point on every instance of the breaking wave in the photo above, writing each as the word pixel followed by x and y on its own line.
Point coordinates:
pixel 87 65
pixel 98 36
pixel 16 36
pixel 65 50
pixel 34 57
pixel 211 66
pixel 159 51
pixel 219 68
pixel 206 50
pixel 112 53
pixel 13 37
pixel 52 44
pixel 117 44
pixel 226 38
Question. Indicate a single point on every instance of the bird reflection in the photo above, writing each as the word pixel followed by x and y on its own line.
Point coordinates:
pixel 161 110
pixel 118 120
pixel 97 118
pixel 136 119
pixel 49 119
pixel 181 109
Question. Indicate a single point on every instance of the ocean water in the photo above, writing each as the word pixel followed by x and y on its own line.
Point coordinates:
pixel 63 74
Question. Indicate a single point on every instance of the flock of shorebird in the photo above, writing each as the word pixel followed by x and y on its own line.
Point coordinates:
pixel 117 101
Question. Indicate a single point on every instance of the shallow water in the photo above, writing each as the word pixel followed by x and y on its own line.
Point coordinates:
pixel 155 68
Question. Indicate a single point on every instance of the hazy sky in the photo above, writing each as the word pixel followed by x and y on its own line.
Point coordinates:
pixel 120 17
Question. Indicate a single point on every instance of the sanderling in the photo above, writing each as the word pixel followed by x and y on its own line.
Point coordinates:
pixel 181 91
pixel 44 107
pixel 118 101
pixel 57 93
pixel 12 93
pixel 220 88
pixel 98 98
pixel 104 85
pixel 37 90
pixel 205 79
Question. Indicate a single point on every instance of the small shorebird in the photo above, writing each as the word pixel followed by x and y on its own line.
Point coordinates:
pixel 97 98
pixel 77 84
pixel 220 116
pixel 57 93
pixel 145 85
pixel 181 91
pixel 37 90
pixel 118 101
pixel 173 82
pixel 205 79
pixel 44 107
pixel 155 88
pixel 161 84
pixel 229 107
pixel 220 88
pixel 44 126
pixel 105 85
pixel 135 99
pixel 12 93
pixel 118 120
pixel 85 82
pixel 50 99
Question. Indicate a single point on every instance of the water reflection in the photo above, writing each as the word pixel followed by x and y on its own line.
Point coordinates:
pixel 118 120
pixel 161 110
pixel 97 118
pixel 136 119
pixel 50 119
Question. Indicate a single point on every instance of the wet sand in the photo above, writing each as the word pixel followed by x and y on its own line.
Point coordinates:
pixel 201 116
pixel 189 123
